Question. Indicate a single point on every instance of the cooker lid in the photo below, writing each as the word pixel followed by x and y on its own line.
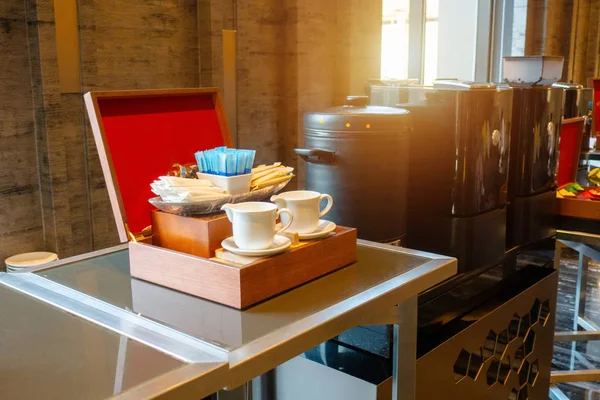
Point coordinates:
pixel 357 116
pixel 457 84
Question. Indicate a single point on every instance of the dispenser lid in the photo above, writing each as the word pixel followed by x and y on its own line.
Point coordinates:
pixel 532 70
pixel 140 134
pixel 457 84
pixel 567 85
pixel 393 82
pixel 357 116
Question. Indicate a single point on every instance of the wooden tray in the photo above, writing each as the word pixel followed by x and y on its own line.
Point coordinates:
pixel 241 286
pixel 578 208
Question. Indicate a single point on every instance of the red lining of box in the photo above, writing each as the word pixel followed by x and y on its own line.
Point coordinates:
pixel 569 149
pixel 596 100
pixel 147 135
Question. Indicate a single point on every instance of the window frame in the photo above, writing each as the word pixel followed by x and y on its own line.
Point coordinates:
pixel 503 17
pixel 485 64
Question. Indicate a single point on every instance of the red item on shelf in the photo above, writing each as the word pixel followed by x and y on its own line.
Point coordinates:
pixel 587 195
pixel 570 145
pixel 594 83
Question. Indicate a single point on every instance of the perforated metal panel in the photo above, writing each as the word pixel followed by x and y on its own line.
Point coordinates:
pixel 506 354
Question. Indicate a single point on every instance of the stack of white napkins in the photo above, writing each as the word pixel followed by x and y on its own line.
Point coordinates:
pixel 182 190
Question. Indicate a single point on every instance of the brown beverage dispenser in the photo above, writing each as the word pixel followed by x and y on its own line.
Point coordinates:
pixel 534 136
pixel 457 205
pixel 458 170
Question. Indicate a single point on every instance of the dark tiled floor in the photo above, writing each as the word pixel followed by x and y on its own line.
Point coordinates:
pixel 580 355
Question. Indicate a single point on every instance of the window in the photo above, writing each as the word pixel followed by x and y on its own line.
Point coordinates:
pixel 430 65
pixel 509 37
pixel 394 39
pixel 429 39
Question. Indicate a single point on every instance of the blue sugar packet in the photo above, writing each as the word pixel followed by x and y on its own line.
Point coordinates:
pixel 210 166
pixel 201 161
pixel 231 169
pixel 214 160
pixel 240 162
pixel 224 161
pixel 209 162
pixel 221 163
pixel 249 160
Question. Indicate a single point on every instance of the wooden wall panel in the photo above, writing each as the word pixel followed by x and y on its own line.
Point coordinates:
pixel 593 42
pixel 133 45
pixel 137 45
pixel 60 141
pixel 569 28
pixel 292 56
pixel 565 37
pixel 553 32
pixel 213 17
pixel 20 216
pixel 327 51
pixel 313 66
pixel 581 33
pixel 534 30
pixel 260 26
pixel 359 46
pixel 297 63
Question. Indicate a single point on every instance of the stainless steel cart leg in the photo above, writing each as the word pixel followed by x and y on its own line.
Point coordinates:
pixel 121 358
pixel 581 289
pixel 405 351
pixel 557 394
pixel 263 387
pixel 241 393
pixel 589 329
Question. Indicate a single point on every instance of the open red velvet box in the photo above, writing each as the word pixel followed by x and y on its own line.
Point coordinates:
pixel 571 136
pixel 140 134
pixel 594 83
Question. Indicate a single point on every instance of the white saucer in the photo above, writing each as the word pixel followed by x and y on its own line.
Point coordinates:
pixel 280 244
pixel 325 227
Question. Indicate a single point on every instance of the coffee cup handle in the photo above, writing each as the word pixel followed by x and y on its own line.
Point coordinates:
pixel 288 212
pixel 328 206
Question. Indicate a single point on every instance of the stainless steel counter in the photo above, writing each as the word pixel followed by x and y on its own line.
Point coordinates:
pixel 48 353
pixel 202 337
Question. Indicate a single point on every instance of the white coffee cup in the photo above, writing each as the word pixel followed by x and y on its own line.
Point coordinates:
pixel 254 223
pixel 305 205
